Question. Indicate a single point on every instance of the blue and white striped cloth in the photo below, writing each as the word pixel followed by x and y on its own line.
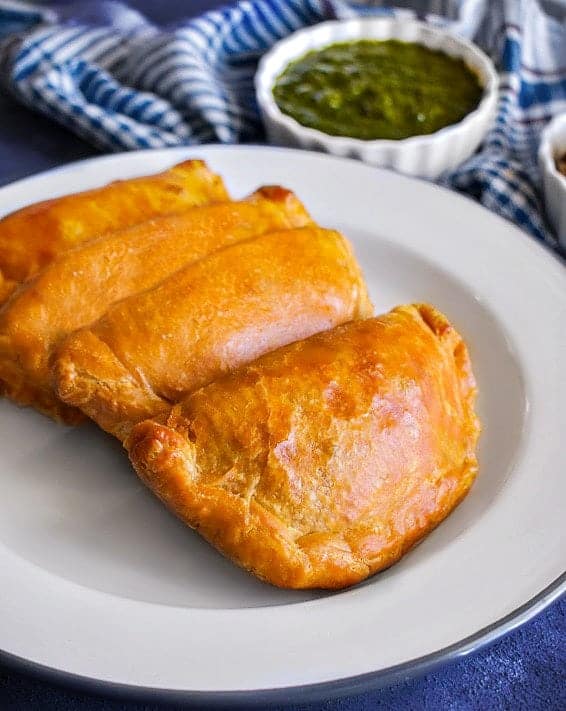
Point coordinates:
pixel 106 73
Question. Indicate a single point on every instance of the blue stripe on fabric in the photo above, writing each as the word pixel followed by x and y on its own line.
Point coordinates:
pixel 27 48
pixel 95 47
pixel 304 15
pixel 270 21
pixel 12 20
pixel 246 41
pixel 252 29
pixel 288 13
pixel 165 60
pixel 283 15
pixel 180 64
pixel 189 85
pixel 152 57
pixel 541 93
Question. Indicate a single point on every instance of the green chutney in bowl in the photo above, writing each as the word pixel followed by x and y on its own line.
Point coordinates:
pixel 377 89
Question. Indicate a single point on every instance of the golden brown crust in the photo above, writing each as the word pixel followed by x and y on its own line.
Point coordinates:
pixel 207 319
pixel 31 237
pixel 325 461
pixel 78 287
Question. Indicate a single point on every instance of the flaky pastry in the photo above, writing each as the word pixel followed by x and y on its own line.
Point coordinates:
pixel 78 287
pixel 208 318
pixel 324 461
pixel 31 237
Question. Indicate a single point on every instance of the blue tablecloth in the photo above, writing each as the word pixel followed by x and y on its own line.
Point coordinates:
pixel 526 670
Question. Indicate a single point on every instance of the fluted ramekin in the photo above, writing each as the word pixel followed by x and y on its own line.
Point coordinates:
pixel 553 145
pixel 426 156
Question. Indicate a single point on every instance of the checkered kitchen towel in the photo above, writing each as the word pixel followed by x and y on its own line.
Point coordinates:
pixel 103 71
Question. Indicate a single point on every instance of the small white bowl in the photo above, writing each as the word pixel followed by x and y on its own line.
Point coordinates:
pixel 553 145
pixel 426 156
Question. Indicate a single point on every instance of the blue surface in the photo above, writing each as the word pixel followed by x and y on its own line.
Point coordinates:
pixel 525 670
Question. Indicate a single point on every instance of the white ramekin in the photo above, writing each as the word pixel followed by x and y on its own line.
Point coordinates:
pixel 426 156
pixel 553 145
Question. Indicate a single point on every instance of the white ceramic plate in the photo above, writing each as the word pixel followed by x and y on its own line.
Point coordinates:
pixel 98 581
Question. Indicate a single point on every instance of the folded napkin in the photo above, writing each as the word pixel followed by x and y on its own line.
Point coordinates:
pixel 105 72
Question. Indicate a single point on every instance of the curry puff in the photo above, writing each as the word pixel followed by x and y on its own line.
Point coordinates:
pixel 210 317
pixel 325 461
pixel 31 237
pixel 79 286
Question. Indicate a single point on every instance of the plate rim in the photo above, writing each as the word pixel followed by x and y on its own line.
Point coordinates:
pixel 305 693
pixel 318 691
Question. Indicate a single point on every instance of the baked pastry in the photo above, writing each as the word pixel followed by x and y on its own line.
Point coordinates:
pixel 31 237
pixel 212 316
pixel 325 461
pixel 78 287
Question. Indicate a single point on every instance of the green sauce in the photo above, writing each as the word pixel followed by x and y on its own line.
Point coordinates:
pixel 371 89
